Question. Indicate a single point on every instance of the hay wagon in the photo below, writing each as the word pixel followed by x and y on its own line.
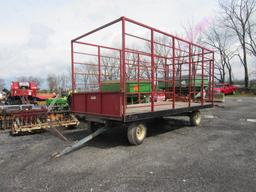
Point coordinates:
pixel 126 73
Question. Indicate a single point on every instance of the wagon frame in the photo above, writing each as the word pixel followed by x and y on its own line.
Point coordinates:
pixel 95 104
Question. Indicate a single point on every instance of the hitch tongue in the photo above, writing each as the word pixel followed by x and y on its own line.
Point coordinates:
pixel 78 144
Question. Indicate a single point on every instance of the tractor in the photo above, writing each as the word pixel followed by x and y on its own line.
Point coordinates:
pixel 21 93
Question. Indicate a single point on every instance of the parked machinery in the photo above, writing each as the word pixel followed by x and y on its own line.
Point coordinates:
pixel 60 102
pixel 21 119
pixel 28 118
pixel 22 93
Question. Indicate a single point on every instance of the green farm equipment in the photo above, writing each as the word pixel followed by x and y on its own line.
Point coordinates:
pixel 182 84
pixel 60 103
pixel 138 92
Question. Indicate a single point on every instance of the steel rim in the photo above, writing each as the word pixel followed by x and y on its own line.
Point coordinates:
pixel 197 118
pixel 140 132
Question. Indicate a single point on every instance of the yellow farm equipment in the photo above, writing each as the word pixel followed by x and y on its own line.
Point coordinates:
pixel 23 119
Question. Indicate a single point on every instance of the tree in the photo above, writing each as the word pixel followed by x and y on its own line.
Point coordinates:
pixel 252 36
pixel 110 67
pixel 194 33
pixel 86 76
pixel 63 81
pixel 237 16
pixel 22 79
pixel 221 41
pixel 219 68
pixel 52 81
pixel 161 52
pixel 34 79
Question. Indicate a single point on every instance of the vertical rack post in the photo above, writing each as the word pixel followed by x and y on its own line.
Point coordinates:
pixel 72 71
pixel 209 81
pixel 99 78
pixel 195 64
pixel 190 79
pixel 202 79
pixel 212 77
pixel 173 73
pixel 180 73
pixel 120 81
pixel 99 69
pixel 152 71
pixel 166 73
pixel 138 55
pixel 123 67
pixel 72 67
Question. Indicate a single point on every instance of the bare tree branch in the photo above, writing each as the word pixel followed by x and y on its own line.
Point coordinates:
pixel 237 15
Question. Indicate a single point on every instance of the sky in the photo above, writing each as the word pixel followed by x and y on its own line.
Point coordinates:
pixel 35 34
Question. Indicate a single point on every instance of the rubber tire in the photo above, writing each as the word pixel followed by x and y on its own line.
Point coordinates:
pixel 195 118
pixel 132 133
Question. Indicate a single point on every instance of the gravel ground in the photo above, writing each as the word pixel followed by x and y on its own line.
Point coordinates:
pixel 219 155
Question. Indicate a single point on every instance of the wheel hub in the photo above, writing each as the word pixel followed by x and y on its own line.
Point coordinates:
pixel 140 132
pixel 198 118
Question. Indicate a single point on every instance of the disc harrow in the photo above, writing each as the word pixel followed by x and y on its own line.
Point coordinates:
pixel 35 120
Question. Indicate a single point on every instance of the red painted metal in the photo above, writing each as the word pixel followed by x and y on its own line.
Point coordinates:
pixel 152 71
pixel 190 79
pixel 138 76
pixel 95 65
pixel 72 67
pixel 94 45
pixel 91 103
pixel 123 79
pixel 212 77
pixel 21 89
pixel 202 81
pixel 180 70
pixel 99 68
pixel 173 73
pixel 79 102
pixel 99 28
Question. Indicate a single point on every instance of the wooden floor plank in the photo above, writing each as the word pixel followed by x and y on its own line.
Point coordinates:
pixel 159 106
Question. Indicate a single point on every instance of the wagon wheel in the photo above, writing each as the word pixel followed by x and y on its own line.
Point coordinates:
pixel 195 118
pixel 136 133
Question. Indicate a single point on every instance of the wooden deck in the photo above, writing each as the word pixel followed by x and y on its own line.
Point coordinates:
pixel 159 106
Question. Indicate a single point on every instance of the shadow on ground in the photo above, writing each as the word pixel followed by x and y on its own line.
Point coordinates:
pixel 117 136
